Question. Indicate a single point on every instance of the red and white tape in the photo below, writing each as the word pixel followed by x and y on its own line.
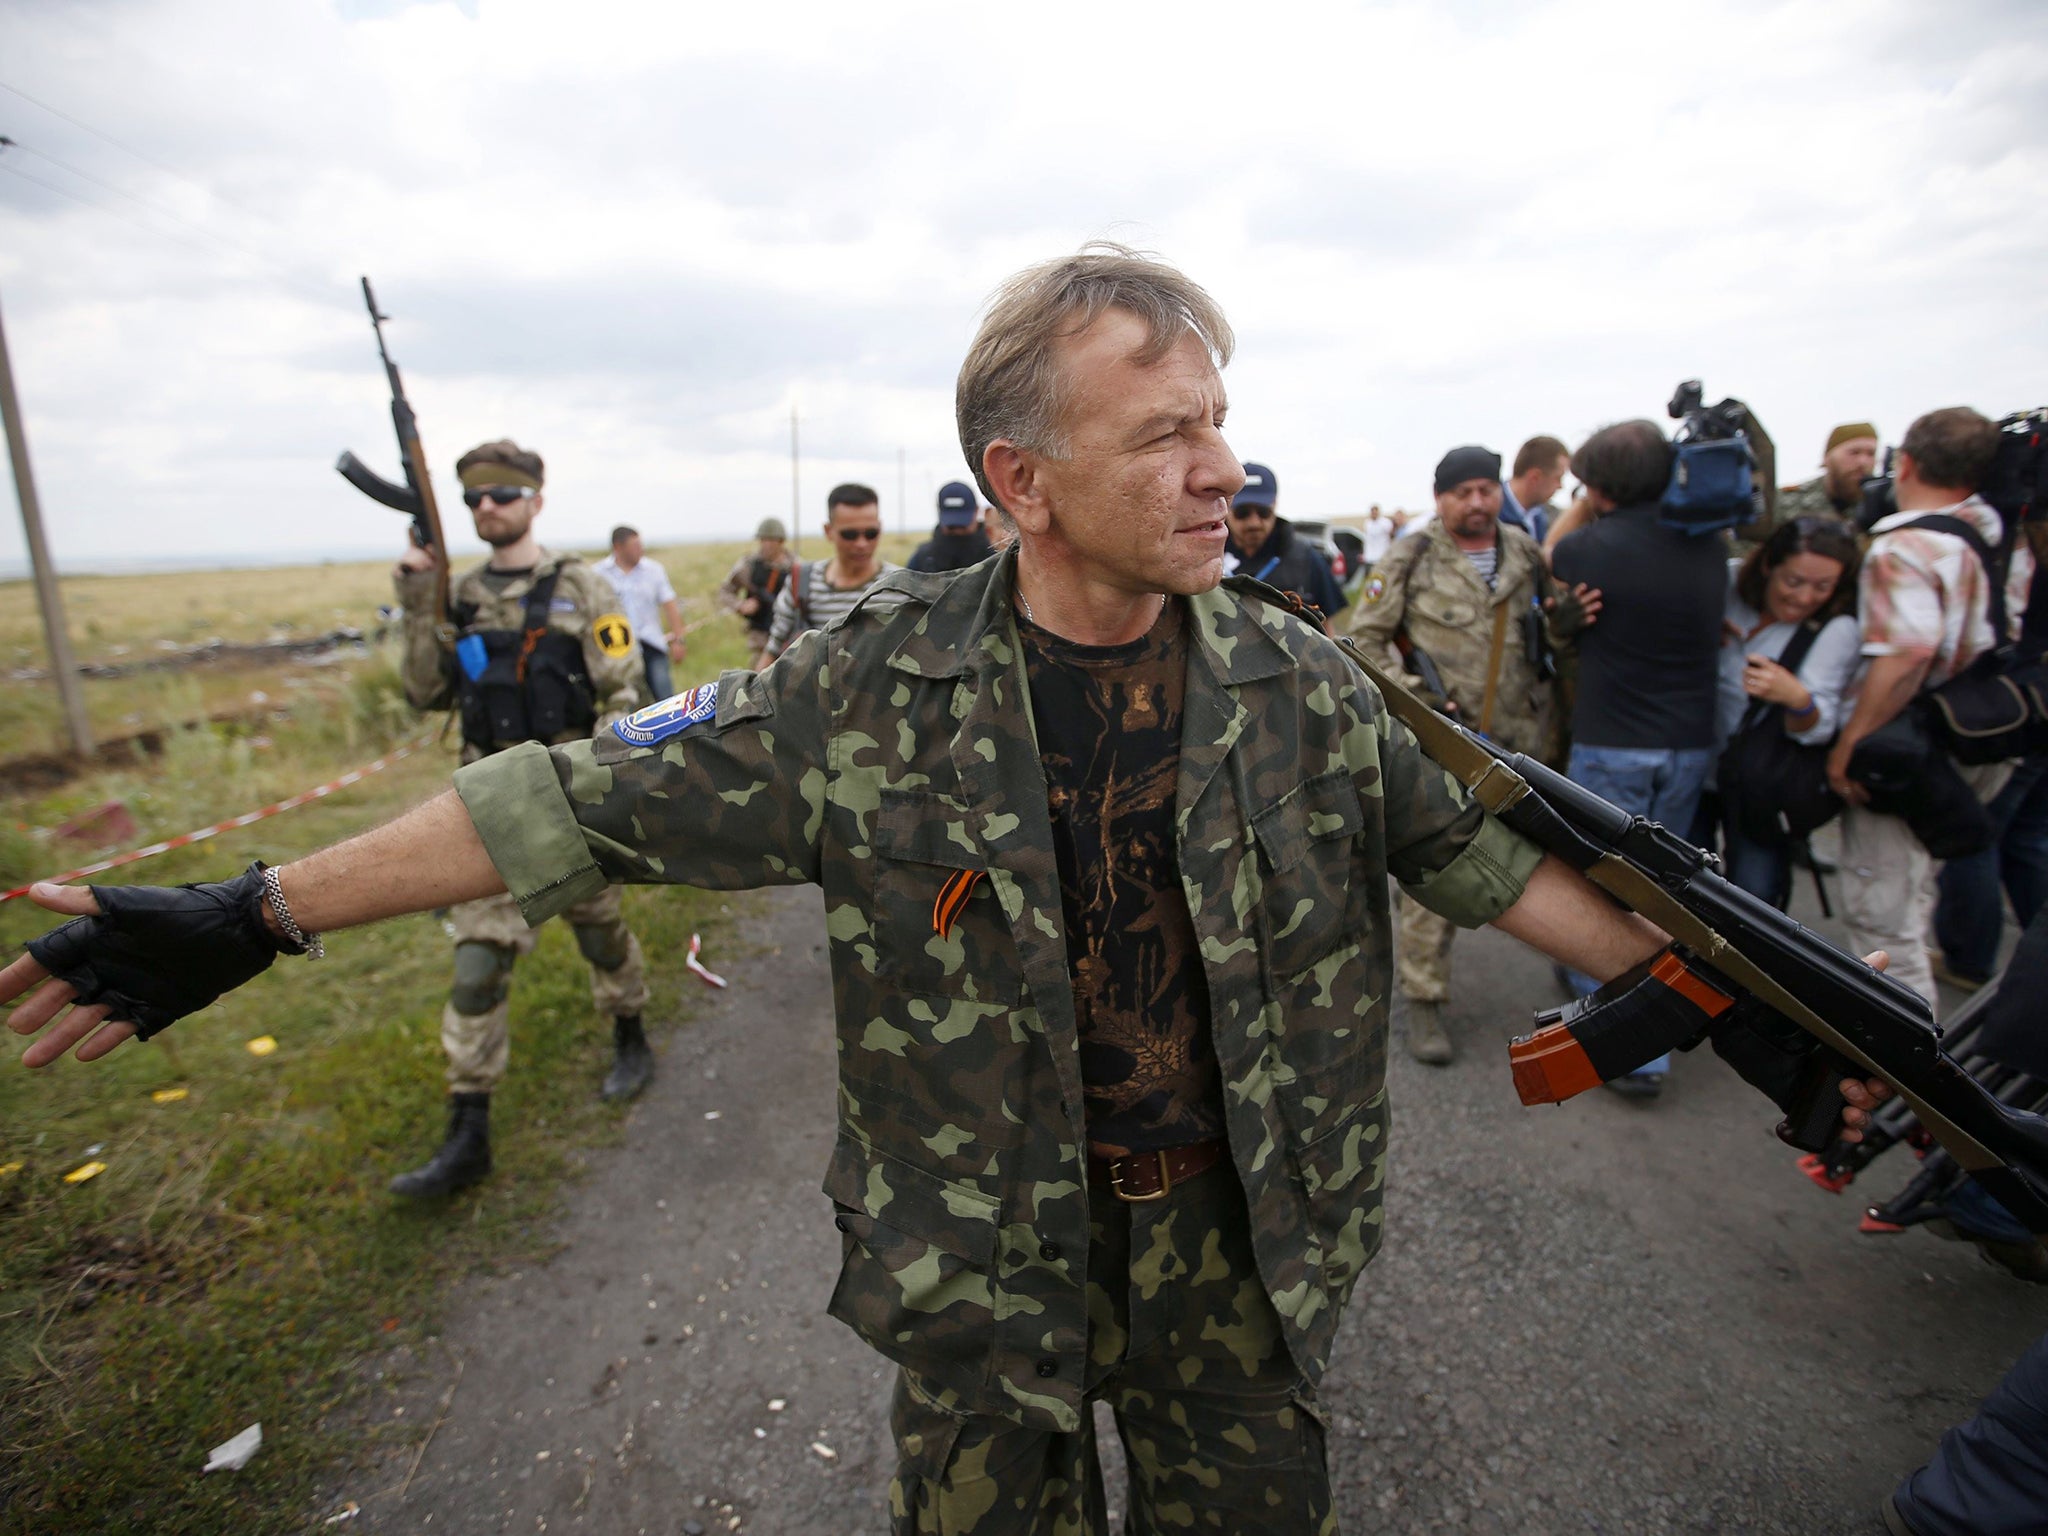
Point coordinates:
pixel 318 792
pixel 691 962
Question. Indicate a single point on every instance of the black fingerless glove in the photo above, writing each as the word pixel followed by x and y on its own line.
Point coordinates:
pixel 156 953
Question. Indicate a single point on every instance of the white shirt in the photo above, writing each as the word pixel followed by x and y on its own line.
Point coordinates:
pixel 1830 663
pixel 1378 535
pixel 642 591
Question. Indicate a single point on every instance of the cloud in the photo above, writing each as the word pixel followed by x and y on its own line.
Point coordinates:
pixel 635 235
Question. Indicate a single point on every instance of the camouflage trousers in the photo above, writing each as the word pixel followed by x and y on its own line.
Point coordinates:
pixel 1220 1433
pixel 1422 953
pixel 476 1024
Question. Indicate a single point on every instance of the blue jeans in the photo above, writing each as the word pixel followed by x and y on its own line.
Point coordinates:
pixel 660 682
pixel 1663 784
pixel 1968 916
pixel 1762 869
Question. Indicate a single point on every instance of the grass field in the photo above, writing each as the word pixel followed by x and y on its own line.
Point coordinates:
pixel 117 619
pixel 238 1258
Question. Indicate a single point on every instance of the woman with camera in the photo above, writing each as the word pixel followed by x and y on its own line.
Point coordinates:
pixel 1788 652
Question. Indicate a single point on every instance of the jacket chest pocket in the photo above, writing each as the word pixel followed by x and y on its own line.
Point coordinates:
pixel 1439 609
pixel 1307 842
pixel 939 927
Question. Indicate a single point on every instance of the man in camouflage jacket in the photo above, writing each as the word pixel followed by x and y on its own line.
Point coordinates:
pixel 1461 592
pixel 1836 492
pixel 1016 1268
pixel 580 670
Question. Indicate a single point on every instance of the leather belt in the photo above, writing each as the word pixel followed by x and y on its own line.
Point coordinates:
pixel 1145 1176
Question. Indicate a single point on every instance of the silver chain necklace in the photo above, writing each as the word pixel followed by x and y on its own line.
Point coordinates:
pixel 1031 618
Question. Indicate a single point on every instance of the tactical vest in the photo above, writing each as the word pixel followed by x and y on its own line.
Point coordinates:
pixel 764 580
pixel 522 684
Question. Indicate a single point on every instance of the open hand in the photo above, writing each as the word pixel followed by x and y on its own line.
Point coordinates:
pixel 88 1025
pixel 134 959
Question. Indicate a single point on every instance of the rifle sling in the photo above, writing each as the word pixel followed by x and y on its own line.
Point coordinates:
pixel 1500 789
pixel 1500 645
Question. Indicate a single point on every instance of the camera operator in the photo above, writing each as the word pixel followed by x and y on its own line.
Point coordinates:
pixel 1643 720
pixel 1926 610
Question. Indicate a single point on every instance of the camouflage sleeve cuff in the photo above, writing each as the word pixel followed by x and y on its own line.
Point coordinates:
pixel 1484 880
pixel 516 801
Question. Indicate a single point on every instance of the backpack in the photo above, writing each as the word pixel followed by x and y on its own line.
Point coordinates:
pixel 1997 707
pixel 1774 790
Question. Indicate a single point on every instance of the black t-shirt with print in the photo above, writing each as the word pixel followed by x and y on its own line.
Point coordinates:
pixel 1109 721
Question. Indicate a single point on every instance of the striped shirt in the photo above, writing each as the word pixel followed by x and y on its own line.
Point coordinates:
pixel 822 602
pixel 1925 593
pixel 1487 561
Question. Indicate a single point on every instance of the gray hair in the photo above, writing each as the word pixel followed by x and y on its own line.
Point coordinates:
pixel 1011 386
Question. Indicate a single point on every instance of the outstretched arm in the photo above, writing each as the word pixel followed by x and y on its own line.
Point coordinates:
pixel 1568 918
pixel 429 857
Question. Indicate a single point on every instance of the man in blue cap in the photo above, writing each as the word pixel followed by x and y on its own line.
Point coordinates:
pixel 1264 546
pixel 958 541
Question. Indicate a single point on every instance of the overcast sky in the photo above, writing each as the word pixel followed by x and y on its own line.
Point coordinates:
pixel 632 235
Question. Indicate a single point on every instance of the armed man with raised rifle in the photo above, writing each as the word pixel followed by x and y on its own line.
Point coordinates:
pixel 541 653
pixel 530 647
pixel 1464 611
pixel 1054 1187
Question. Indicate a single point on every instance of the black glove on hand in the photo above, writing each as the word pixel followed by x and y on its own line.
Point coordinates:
pixel 156 953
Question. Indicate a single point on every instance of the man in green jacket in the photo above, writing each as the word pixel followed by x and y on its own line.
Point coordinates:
pixel 1105 850
pixel 1462 592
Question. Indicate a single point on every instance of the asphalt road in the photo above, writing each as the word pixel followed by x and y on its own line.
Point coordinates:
pixel 1606 1317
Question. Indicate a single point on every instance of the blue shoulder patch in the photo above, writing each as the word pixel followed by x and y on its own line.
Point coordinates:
pixel 659 721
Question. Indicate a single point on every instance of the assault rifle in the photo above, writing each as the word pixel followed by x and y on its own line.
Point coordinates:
pixel 415 498
pixel 1788 1010
pixel 1424 666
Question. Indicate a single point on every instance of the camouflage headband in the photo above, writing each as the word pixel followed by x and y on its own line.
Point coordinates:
pixel 488 473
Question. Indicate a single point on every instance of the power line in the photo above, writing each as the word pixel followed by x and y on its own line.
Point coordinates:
pixel 217 245
pixel 223 241
pixel 112 213
pixel 128 149
pixel 101 181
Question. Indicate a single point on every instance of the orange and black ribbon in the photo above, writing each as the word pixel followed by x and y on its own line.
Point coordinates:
pixel 952 897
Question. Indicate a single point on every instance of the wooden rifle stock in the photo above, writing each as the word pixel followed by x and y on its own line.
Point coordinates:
pixel 416 497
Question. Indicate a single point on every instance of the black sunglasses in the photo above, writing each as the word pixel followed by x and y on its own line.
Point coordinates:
pixel 851 534
pixel 500 495
pixel 1253 510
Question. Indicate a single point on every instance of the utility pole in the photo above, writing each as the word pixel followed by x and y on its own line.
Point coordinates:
pixel 796 500
pixel 902 496
pixel 56 639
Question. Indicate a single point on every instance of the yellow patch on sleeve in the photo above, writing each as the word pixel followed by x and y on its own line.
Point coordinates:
pixel 614 636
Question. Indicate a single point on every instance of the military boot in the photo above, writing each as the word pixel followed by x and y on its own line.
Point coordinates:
pixel 1428 1042
pixel 464 1158
pixel 632 1060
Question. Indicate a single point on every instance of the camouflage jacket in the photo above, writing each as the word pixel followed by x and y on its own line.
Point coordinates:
pixel 1808 500
pixel 1426 588
pixel 886 754
pixel 584 605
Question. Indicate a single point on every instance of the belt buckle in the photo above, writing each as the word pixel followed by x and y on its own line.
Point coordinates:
pixel 1116 1181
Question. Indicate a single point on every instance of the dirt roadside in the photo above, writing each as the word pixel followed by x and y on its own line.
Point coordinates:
pixel 1610 1317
